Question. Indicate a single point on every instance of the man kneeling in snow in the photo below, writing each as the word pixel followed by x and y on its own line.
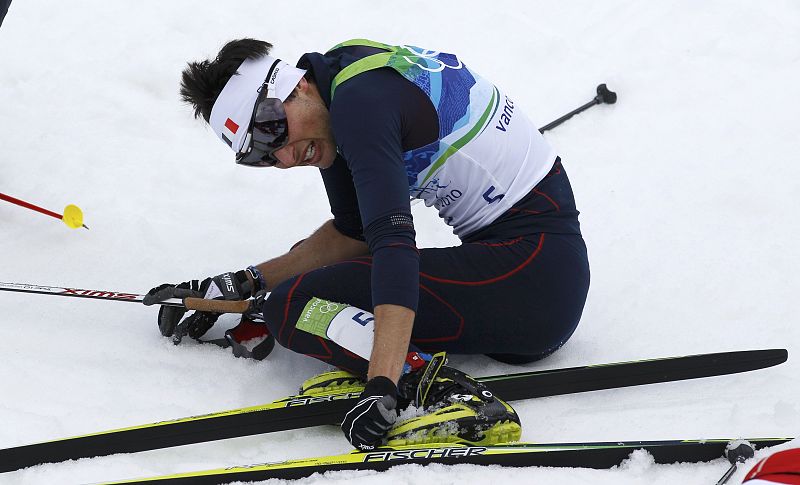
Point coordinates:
pixel 385 124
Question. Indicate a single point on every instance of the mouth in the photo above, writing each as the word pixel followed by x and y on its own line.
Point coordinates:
pixel 311 151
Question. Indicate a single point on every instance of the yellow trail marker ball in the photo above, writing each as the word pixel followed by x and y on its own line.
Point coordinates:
pixel 73 216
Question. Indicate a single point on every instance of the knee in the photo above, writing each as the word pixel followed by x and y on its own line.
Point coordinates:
pixel 278 310
pixel 520 359
pixel 515 359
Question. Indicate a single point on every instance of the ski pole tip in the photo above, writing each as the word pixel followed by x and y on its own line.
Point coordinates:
pixel 73 216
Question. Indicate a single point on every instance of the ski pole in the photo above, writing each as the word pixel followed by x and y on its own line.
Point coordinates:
pixel 183 298
pixel 72 216
pixel 736 452
pixel 604 95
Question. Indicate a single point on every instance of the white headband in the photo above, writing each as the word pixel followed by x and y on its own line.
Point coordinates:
pixel 233 109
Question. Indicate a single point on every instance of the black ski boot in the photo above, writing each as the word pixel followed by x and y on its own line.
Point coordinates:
pixel 457 409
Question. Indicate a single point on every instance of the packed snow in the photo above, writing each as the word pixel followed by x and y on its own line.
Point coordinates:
pixel 688 190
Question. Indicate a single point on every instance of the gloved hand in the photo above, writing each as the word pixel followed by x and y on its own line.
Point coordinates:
pixel 366 425
pixel 227 286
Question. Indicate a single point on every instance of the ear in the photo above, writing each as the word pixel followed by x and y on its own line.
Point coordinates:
pixel 305 89
pixel 302 86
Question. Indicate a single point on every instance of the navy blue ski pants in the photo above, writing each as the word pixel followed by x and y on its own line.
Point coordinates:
pixel 516 299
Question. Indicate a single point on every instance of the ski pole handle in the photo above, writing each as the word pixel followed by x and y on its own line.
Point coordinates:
pixel 193 300
pixel 216 306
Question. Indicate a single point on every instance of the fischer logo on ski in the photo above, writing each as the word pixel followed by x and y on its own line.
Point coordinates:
pixel 424 454
pixel 303 400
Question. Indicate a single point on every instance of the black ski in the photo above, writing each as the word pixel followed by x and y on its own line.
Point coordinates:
pixel 301 411
pixel 580 455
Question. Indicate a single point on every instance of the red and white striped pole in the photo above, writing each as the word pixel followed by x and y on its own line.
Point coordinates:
pixel 181 297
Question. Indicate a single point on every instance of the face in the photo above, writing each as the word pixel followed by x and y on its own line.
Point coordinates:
pixel 310 141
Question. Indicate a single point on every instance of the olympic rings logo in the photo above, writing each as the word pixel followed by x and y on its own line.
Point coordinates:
pixel 430 57
pixel 329 307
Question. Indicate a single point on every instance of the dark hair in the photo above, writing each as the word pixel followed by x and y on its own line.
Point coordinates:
pixel 201 82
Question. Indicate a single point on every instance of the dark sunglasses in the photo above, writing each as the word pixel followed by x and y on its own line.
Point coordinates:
pixel 268 132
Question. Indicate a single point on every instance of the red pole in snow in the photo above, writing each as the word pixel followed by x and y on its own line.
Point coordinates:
pixel 36 208
pixel 29 206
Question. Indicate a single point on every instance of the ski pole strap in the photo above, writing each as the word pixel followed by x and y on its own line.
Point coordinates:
pixel 259 283
pixel 250 340
pixel 428 377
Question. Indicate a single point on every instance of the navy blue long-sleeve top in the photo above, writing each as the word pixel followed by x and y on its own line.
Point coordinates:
pixel 375 117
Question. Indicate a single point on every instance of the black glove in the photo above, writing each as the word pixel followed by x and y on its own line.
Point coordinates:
pixel 227 286
pixel 366 425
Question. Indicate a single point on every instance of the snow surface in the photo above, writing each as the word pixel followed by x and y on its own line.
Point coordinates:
pixel 688 188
